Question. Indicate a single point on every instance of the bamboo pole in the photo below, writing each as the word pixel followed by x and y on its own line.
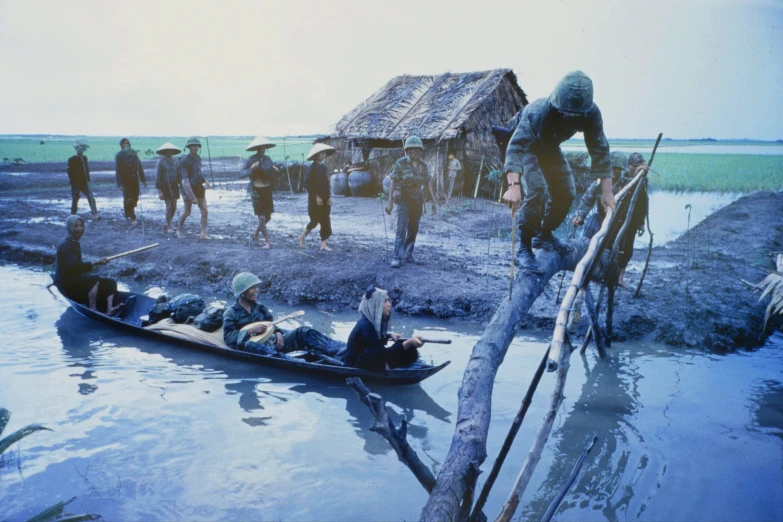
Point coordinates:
pixel 571 479
pixel 478 177
pixel 134 251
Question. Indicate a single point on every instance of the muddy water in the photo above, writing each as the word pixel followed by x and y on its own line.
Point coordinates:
pixel 145 431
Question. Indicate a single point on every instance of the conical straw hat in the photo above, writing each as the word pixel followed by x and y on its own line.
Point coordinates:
pixel 260 143
pixel 168 146
pixel 320 147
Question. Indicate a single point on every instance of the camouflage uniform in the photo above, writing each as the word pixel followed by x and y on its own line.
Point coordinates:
pixel 592 196
pixel 408 197
pixel 534 152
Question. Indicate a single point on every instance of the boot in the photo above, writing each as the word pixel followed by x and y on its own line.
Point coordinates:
pixel 525 259
pixel 548 241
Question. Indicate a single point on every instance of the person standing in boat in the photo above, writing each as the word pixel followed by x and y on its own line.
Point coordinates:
pixel 367 341
pixel 193 187
pixel 247 310
pixel 259 168
pixel 168 180
pixel 408 176
pixel 129 171
pixel 71 272
pixel 319 194
pixel 79 176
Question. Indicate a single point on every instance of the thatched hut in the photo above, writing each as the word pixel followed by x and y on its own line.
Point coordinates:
pixel 447 111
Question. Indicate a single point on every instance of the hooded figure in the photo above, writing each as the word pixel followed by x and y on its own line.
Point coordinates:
pixel 129 173
pixel 70 272
pixel 367 341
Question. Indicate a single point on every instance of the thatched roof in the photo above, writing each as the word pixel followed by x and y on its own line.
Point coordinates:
pixel 431 107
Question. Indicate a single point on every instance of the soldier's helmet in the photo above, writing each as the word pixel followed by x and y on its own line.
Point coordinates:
pixel 573 95
pixel 243 282
pixel 192 141
pixel 620 161
pixel 413 142
pixel 635 159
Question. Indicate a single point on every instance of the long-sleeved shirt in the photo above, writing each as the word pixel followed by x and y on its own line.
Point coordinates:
pixel 409 180
pixel 364 337
pixel 128 169
pixel 236 317
pixel 78 171
pixel 317 182
pixel 541 129
pixel 68 262
pixel 168 176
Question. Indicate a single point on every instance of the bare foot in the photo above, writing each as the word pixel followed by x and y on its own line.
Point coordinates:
pixel 180 234
pixel 302 241
pixel 254 237
pixel 204 235
pixel 133 222
pixel 267 246
pixel 170 230
pixel 324 246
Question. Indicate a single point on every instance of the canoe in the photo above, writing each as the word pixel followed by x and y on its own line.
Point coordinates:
pixel 140 305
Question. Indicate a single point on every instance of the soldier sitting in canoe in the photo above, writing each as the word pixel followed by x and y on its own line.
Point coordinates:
pixel 239 326
pixel 71 273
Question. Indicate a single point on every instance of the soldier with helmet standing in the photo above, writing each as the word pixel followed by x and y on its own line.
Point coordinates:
pixel 408 176
pixel 193 186
pixel 533 157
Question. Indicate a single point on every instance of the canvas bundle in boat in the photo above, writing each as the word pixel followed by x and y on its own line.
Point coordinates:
pixel 186 306
pixel 210 319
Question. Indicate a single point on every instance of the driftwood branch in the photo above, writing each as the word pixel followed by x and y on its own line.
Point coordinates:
pixel 570 482
pixel 592 310
pixel 397 437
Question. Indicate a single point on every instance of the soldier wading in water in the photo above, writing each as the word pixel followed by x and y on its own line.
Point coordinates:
pixel 533 157
pixel 408 176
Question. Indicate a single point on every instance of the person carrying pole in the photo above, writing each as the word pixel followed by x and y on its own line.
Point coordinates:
pixel 79 176
pixel 408 176
pixel 319 194
pixel 592 196
pixel 129 171
pixel 193 186
pixel 168 181
pixel 259 168
pixel 534 158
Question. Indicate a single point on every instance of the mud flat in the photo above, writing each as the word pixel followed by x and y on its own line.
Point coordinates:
pixel 693 293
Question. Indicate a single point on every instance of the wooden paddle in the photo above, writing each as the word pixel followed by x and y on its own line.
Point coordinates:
pixel 134 251
pixel 433 341
pixel 270 327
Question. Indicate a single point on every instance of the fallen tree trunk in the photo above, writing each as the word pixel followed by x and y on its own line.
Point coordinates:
pixel 469 445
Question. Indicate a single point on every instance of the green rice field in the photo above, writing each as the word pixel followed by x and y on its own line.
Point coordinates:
pixel 680 165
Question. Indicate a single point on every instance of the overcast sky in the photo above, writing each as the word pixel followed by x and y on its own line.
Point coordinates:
pixel 687 69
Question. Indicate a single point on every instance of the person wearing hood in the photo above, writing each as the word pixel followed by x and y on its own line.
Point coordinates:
pixel 319 194
pixel 129 171
pixel 168 180
pixel 79 176
pixel 533 158
pixel 259 168
pixel 367 341
pixel 71 272
pixel 247 310
pixel 193 187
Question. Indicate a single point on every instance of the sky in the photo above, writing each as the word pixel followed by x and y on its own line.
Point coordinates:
pixel 689 69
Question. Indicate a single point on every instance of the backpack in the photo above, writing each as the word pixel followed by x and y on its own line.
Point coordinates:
pixel 160 311
pixel 186 306
pixel 210 319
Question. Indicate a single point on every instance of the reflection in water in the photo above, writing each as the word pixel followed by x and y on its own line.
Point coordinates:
pixel 72 329
pixel 606 408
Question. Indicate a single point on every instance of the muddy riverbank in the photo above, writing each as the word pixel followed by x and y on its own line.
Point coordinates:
pixel 693 293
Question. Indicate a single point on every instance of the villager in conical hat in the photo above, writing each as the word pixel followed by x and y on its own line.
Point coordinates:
pixel 408 176
pixel 542 126
pixel 79 176
pixel 260 143
pixel 367 341
pixel 319 194
pixel 320 147
pixel 194 185
pixel 168 147
pixel 168 180
pixel 260 169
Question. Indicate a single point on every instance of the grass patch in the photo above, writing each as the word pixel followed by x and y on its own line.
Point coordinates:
pixel 717 172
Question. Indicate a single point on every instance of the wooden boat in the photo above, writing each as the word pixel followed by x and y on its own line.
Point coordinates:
pixel 140 305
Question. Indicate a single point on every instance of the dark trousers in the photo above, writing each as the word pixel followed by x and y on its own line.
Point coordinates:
pixel 376 359
pixel 129 201
pixel 553 178
pixel 76 192
pixel 319 215
pixel 302 338
pixel 408 219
